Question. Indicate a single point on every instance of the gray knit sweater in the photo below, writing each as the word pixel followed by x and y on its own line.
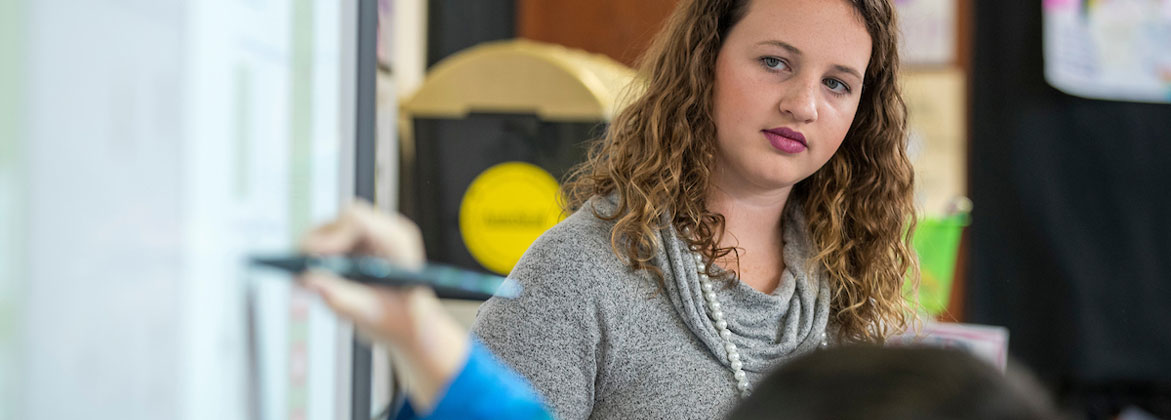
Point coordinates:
pixel 601 341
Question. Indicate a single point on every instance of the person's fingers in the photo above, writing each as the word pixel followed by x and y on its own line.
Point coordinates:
pixel 354 301
pixel 339 236
pixel 408 241
pixel 392 236
pixel 361 227
pixel 382 314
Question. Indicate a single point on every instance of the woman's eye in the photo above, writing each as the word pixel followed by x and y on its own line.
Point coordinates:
pixel 773 63
pixel 837 86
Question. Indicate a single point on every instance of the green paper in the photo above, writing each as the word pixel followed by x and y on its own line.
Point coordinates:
pixel 937 242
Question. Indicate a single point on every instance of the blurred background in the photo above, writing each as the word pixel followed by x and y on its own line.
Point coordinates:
pixel 147 148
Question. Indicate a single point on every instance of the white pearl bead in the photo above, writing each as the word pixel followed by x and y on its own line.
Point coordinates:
pixel 721 324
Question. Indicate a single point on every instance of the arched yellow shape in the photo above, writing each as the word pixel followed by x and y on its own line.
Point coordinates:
pixel 520 76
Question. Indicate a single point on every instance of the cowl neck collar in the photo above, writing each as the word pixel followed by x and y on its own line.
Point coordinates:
pixel 767 328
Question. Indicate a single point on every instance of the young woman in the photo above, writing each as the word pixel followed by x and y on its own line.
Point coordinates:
pixel 749 207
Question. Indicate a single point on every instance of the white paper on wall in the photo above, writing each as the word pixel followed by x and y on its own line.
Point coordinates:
pixel 1114 50
pixel 928 31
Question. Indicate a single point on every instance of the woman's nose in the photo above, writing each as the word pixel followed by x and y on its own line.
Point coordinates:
pixel 800 102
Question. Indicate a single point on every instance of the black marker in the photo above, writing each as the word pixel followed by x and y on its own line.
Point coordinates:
pixel 448 282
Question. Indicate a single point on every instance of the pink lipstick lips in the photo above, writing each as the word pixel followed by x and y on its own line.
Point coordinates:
pixel 786 140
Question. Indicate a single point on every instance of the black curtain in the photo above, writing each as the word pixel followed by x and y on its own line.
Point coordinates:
pixel 1070 245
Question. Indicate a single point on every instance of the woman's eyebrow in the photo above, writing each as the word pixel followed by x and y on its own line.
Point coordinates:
pixel 848 70
pixel 781 44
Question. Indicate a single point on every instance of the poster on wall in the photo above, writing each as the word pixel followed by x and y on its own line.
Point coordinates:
pixel 929 31
pixel 1109 49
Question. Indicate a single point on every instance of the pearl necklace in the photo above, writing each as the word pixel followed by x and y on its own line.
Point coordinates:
pixel 717 315
pixel 715 311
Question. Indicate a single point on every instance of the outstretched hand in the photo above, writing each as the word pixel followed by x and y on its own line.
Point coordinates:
pixel 426 343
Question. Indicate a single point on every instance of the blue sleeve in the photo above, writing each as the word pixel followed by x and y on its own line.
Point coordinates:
pixel 484 389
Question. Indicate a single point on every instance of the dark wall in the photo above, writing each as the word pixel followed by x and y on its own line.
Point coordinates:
pixel 454 25
pixel 1071 235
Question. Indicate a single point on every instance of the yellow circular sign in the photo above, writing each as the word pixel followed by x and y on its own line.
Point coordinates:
pixel 504 210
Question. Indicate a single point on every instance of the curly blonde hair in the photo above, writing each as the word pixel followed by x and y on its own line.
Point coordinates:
pixel 657 155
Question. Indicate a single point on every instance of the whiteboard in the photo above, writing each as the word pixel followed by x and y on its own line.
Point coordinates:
pixel 160 143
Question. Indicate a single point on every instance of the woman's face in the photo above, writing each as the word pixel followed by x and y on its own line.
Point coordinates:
pixel 787 84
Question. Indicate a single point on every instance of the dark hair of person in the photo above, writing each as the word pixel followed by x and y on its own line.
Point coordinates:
pixel 877 383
